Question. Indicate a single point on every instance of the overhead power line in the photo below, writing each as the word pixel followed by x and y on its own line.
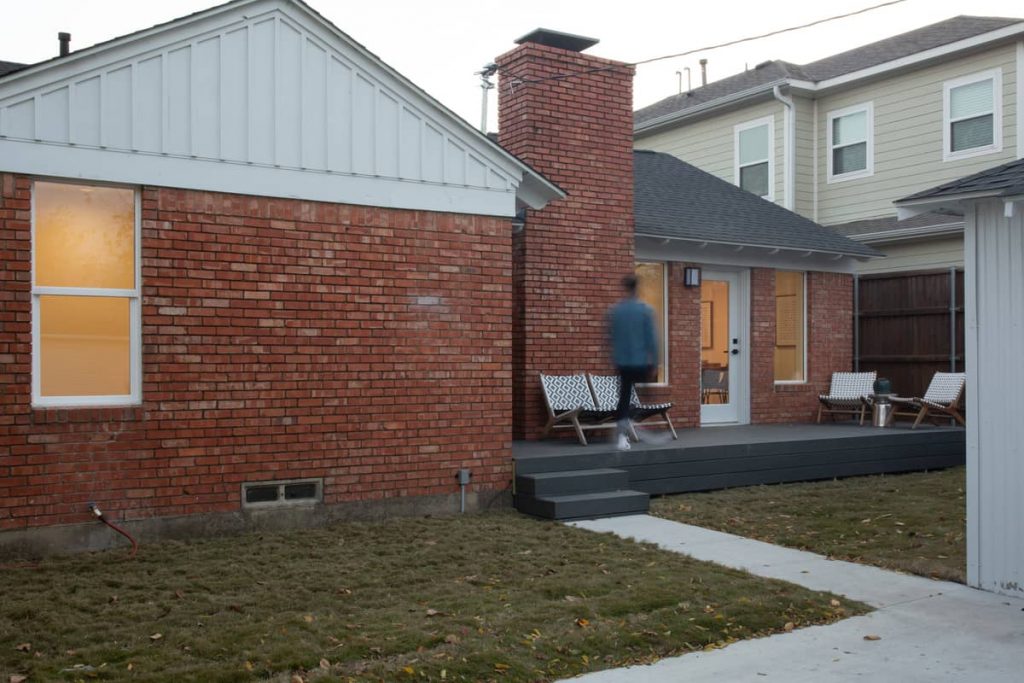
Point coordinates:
pixel 706 48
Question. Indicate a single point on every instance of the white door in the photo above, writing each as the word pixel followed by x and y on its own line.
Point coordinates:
pixel 724 360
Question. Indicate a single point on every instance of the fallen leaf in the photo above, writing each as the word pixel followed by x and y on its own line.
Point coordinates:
pixel 112 599
pixel 308 618
pixel 834 602
pixel 325 663
pixel 432 613
pixel 23 647
pixel 17 678
pixel 248 665
pixel 156 636
pixel 179 594
pixel 789 626
pixel 409 670
pixel 501 667
pixel 872 636
pixel 451 639
pixel 444 674
pixel 582 623
pixel 296 678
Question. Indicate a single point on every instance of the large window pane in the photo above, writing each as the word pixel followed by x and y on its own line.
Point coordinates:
pixel 651 290
pixel 755 179
pixel 84 236
pixel 850 128
pixel 971 133
pixel 789 326
pixel 85 346
pixel 753 144
pixel 971 99
pixel 849 159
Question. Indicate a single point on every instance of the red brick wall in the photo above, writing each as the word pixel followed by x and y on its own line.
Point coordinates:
pixel 281 339
pixel 577 131
pixel 829 345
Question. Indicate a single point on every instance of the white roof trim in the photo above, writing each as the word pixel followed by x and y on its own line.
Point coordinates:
pixel 845 79
pixel 902 234
pixel 771 248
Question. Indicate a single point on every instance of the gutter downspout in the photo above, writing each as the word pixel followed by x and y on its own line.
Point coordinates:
pixel 789 147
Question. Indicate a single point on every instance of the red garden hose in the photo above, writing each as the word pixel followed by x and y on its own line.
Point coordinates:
pixel 99 515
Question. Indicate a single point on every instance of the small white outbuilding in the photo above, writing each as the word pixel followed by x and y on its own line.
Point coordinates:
pixel 992 203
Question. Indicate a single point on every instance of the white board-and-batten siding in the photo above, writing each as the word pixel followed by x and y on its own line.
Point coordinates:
pixel 263 100
pixel 994 292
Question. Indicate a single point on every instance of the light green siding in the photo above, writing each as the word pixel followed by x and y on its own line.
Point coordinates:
pixel 709 144
pixel 908 137
pixel 932 254
pixel 804 195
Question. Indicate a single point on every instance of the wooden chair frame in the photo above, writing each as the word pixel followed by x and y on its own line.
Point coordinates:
pixel 933 404
pixel 584 416
pixel 605 389
pixel 847 395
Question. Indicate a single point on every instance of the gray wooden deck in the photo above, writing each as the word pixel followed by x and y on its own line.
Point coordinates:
pixel 715 458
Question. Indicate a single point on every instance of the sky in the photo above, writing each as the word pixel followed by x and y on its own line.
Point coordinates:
pixel 439 44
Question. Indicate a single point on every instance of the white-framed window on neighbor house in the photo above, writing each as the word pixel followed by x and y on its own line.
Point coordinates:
pixel 754 144
pixel 972 115
pixel 851 142
pixel 86 311
pixel 790 327
pixel 652 289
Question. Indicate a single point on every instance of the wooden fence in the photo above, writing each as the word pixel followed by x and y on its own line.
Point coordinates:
pixel 910 325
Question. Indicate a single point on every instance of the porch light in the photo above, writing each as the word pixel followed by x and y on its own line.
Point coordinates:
pixel 691 277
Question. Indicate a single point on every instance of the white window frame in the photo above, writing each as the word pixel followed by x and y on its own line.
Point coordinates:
pixel 996 75
pixel 756 123
pixel 134 316
pixel 869 168
pixel 664 323
pixel 804 331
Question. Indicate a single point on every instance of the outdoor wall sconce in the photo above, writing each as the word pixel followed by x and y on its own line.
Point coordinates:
pixel 691 277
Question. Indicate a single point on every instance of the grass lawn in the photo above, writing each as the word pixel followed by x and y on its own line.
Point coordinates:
pixel 909 522
pixel 493 597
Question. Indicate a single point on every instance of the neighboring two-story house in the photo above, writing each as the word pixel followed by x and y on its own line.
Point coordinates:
pixel 839 139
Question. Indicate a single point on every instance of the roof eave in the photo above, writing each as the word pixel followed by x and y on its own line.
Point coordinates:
pixel 768 247
pixel 653 125
pixel 905 234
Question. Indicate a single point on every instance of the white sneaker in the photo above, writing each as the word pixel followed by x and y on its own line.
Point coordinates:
pixel 623 444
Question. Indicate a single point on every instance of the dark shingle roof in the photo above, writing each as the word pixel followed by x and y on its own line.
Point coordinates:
pixel 1002 181
pixel 863 57
pixel 676 200
pixel 10 67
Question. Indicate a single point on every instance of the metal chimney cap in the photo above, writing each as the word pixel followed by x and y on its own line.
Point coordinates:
pixel 552 38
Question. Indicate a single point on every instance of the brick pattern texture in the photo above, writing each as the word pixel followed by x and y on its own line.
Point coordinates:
pixel 281 339
pixel 829 345
pixel 572 255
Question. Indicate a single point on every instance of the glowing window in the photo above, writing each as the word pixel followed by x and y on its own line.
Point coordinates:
pixel 790 326
pixel 85 295
pixel 651 290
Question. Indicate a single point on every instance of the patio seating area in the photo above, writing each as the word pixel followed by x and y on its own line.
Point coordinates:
pixel 561 479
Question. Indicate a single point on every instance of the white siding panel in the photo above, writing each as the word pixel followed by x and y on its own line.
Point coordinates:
pixel 53 116
pixel 20 119
pixel 117 109
pixel 476 173
pixel 433 154
pixel 339 116
pixel 454 164
pixel 148 114
pixel 261 93
pixel 995 431
pixel 387 134
pixel 177 102
pixel 206 99
pixel 289 96
pixel 410 145
pixel 85 114
pixel 363 117
pixel 234 81
pixel 314 107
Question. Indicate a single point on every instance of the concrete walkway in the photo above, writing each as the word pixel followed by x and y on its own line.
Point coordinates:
pixel 928 630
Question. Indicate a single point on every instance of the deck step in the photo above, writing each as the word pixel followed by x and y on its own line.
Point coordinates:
pixel 575 481
pixel 585 505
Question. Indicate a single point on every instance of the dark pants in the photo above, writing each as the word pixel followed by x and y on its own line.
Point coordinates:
pixel 628 377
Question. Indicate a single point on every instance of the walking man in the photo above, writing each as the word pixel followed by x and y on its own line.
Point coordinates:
pixel 634 350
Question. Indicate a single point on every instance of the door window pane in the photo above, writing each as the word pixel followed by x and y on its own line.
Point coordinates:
pixel 789 326
pixel 84 236
pixel 85 346
pixel 714 341
pixel 651 290
pixel 755 179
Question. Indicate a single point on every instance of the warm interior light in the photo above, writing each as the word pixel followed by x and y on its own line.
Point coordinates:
pixel 85 346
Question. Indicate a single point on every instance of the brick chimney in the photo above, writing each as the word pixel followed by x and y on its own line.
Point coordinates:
pixel 570 116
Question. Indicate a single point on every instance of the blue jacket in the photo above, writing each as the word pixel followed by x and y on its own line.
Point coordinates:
pixel 631 328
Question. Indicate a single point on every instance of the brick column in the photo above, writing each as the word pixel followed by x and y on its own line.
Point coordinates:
pixel 572 255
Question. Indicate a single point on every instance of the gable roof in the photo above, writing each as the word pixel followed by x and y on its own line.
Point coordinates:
pixel 864 57
pixel 318 116
pixel 1002 181
pixel 10 67
pixel 676 200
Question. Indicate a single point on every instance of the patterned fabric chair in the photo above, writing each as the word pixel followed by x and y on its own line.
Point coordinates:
pixel 942 399
pixel 571 405
pixel 847 395
pixel 606 393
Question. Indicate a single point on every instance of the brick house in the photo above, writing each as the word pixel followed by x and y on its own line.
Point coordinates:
pixel 253 277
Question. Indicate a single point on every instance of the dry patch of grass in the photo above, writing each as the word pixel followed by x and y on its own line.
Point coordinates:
pixel 909 522
pixel 476 598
